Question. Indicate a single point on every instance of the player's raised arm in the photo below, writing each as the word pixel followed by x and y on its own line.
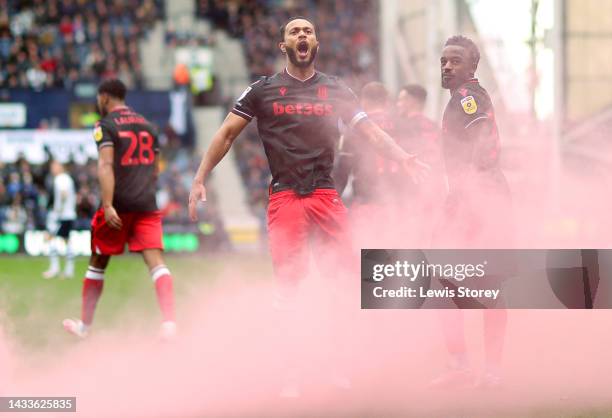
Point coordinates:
pixel 106 177
pixel 388 147
pixel 220 145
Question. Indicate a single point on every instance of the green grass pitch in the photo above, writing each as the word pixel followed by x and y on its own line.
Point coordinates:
pixel 32 308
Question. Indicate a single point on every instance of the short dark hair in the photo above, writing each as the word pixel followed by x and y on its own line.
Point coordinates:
pixel 291 19
pixel 375 92
pixel 417 91
pixel 113 87
pixel 468 44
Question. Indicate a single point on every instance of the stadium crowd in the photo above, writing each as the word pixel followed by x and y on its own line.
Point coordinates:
pixel 344 27
pixel 25 194
pixel 53 43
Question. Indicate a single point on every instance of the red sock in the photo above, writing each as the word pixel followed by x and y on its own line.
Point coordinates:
pixel 92 289
pixel 165 295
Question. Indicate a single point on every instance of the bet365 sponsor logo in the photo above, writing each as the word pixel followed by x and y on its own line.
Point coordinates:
pixel 306 109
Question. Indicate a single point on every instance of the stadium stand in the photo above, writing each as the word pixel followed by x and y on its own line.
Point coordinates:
pixel 55 43
pixel 344 28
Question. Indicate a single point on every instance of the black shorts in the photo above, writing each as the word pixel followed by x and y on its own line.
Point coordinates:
pixel 64 229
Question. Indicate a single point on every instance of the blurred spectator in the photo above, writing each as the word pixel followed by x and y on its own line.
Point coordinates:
pixel 181 119
pixel 15 217
pixel 3 201
pixel 13 187
pixel 57 43
pixel 255 173
pixel 347 29
pixel 87 203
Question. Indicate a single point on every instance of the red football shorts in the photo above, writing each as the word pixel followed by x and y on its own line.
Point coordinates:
pixel 298 224
pixel 141 231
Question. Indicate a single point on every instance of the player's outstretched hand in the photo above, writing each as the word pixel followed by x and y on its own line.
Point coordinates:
pixel 417 169
pixel 197 194
pixel 112 218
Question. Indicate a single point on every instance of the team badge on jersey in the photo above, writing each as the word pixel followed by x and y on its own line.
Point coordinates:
pixel 98 133
pixel 469 105
pixel 322 92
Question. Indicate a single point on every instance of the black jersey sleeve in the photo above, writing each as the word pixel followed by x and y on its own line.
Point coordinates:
pixel 247 104
pixel 471 108
pixel 350 109
pixel 104 134
pixel 478 123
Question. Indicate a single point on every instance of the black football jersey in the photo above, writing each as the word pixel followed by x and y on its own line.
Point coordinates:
pixel 469 105
pixel 136 147
pixel 298 122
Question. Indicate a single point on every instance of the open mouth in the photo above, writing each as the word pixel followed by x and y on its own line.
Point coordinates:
pixel 302 49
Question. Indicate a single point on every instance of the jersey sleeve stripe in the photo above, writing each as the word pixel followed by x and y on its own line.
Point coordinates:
pixel 243 114
pixel 106 144
pixel 475 120
pixel 357 118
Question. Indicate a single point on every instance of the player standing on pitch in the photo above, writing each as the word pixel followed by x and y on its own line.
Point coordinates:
pixel 477 211
pixel 358 158
pixel 127 172
pixel 374 198
pixel 297 113
pixel 60 221
pixel 417 134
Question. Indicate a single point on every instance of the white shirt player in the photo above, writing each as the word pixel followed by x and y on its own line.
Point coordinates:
pixel 64 197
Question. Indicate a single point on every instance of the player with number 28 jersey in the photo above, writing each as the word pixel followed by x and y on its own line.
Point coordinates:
pixel 135 147
pixel 127 171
